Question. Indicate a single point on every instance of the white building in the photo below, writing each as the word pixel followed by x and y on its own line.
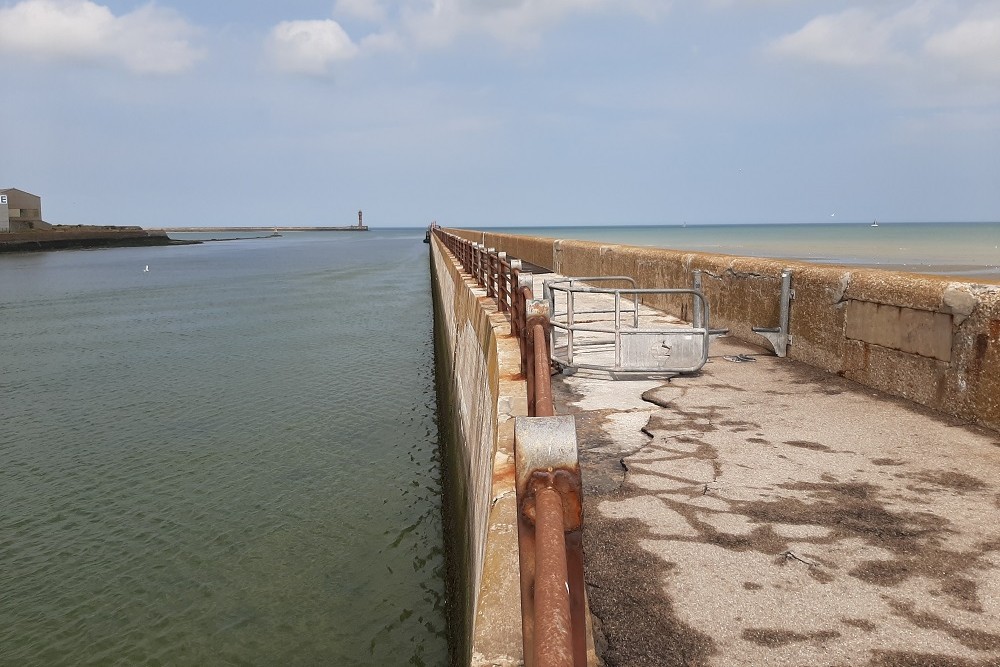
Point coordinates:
pixel 20 211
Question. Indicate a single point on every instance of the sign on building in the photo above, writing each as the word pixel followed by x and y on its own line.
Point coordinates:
pixel 3 199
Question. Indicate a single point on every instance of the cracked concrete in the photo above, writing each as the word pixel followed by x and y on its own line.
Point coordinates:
pixel 768 513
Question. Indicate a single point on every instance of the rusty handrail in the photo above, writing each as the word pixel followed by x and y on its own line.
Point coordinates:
pixel 512 288
pixel 553 641
pixel 550 524
pixel 550 513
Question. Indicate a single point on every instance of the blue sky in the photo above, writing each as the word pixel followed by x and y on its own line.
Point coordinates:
pixel 502 112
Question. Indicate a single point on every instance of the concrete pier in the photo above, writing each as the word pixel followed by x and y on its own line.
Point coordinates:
pixel 768 513
pixel 929 339
pixel 835 507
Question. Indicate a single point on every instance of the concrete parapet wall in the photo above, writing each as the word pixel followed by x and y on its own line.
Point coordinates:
pixel 925 338
pixel 478 381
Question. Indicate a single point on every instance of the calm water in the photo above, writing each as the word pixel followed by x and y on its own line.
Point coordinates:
pixel 962 250
pixel 228 460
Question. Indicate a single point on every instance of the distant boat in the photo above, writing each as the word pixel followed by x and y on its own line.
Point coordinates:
pixel 875 223
pixel 274 234
pixel 146 270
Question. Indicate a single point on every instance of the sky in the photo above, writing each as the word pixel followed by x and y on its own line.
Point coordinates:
pixel 483 113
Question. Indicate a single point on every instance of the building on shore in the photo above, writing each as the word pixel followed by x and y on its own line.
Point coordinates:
pixel 20 211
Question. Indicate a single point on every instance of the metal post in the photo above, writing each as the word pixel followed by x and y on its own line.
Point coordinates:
pixel 521 294
pixel 477 259
pixel 696 317
pixel 501 289
pixel 569 325
pixel 779 336
pixel 786 297
pixel 490 265
pixel 618 329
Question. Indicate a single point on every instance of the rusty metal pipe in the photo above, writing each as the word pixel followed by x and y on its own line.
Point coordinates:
pixel 543 379
pixel 553 628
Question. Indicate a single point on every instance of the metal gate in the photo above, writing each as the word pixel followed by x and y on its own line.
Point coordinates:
pixel 608 328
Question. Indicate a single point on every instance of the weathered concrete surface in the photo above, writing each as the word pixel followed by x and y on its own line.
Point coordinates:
pixel 930 340
pixel 479 383
pixel 769 513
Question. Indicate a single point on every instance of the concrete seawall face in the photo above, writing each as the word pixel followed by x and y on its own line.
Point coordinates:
pixel 925 338
pixel 481 392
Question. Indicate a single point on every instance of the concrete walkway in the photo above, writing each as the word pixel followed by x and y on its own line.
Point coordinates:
pixel 766 513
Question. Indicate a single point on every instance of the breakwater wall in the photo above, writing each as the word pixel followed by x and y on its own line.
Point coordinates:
pixel 480 391
pixel 352 228
pixel 80 238
pixel 928 339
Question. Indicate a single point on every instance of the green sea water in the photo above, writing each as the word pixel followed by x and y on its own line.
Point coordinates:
pixel 228 459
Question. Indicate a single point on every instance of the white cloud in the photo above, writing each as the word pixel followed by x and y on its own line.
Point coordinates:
pixel 313 46
pixel 147 40
pixel 930 49
pixel 309 47
pixel 515 22
pixel 382 41
pixel 973 45
pixel 366 10
pixel 855 37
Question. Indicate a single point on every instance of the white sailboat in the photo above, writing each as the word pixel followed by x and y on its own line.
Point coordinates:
pixel 875 223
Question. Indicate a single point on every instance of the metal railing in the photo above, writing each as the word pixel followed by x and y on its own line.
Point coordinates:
pixel 583 336
pixel 549 489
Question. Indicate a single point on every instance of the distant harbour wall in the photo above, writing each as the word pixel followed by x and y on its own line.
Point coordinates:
pixel 192 230
pixel 479 393
pixel 928 339
pixel 81 237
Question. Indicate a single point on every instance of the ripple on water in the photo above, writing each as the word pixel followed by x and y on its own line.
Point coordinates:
pixel 236 464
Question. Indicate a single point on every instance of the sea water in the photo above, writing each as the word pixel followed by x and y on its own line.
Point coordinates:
pixel 965 251
pixel 228 459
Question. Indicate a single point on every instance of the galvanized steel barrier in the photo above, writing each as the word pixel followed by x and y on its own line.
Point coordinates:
pixel 617 345
pixel 549 491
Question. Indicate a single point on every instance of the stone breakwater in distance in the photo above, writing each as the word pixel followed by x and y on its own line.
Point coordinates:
pixel 84 237
pixel 928 339
pixel 353 228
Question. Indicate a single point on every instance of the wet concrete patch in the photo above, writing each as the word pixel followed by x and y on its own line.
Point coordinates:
pixel 778 637
pixel 806 444
pixel 905 659
pixel 860 623
pixel 949 479
pixel 639 624
pixel 887 462
pixel 975 639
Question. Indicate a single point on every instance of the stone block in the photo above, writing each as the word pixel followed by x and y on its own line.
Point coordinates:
pixel 921 332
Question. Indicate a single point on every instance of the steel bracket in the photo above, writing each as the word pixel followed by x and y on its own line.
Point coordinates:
pixel 778 336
